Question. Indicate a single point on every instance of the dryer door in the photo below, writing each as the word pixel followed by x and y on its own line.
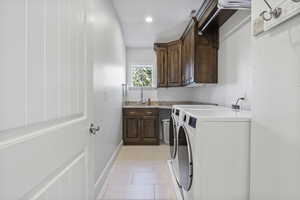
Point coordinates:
pixel 173 137
pixel 185 159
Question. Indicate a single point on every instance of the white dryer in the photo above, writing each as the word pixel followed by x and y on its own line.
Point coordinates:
pixel 213 158
pixel 175 123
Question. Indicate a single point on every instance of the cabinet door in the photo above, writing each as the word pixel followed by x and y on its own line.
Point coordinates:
pixel 206 59
pixel 162 67
pixel 184 59
pixel 150 130
pixel 207 64
pixel 174 64
pixel 188 57
pixel 131 130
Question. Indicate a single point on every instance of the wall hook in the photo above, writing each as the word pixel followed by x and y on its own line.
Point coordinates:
pixel 272 13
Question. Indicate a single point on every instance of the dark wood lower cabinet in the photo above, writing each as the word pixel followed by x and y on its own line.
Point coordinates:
pixel 140 126
pixel 132 130
pixel 150 129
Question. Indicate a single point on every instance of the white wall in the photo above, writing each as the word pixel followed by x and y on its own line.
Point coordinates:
pixel 235 64
pixel 276 112
pixel 267 69
pixel 147 56
pixel 109 74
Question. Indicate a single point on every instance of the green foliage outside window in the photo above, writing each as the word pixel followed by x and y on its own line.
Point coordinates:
pixel 142 76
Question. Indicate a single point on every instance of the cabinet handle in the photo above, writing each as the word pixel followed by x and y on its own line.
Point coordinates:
pixel 149 113
pixel 132 113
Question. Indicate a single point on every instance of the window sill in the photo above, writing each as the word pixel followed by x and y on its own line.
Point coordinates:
pixel 139 88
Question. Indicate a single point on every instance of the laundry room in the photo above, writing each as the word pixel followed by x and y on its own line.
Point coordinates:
pixel 149 100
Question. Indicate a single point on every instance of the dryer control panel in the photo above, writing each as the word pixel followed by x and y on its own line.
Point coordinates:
pixel 192 122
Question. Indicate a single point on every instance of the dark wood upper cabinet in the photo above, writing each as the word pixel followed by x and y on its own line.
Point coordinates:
pixel 200 56
pixel 206 65
pixel 168 63
pixel 174 64
pixel 162 66
pixel 188 57
pixel 191 60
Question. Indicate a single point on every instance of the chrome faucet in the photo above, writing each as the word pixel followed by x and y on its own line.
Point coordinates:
pixel 124 92
pixel 142 96
pixel 236 106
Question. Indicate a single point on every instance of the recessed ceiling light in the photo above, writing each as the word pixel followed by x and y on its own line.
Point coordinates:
pixel 149 19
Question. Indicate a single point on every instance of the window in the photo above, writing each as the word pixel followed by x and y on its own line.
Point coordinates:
pixel 142 75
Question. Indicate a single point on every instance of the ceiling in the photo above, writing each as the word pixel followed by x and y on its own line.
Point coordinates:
pixel 170 17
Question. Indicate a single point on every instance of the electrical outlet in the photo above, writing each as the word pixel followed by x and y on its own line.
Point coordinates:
pixel 258 26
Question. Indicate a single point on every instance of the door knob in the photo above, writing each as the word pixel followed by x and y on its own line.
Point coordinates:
pixel 94 129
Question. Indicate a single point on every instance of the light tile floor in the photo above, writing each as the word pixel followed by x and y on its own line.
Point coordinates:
pixel 140 173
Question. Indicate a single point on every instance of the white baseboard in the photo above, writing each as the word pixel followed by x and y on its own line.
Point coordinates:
pixel 103 176
pixel 176 187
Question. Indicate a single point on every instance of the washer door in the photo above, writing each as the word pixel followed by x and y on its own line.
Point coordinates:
pixel 185 159
pixel 173 138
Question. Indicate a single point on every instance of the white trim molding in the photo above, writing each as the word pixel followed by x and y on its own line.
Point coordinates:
pixel 99 185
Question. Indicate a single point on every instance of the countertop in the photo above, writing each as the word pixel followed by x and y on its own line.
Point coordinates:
pixel 161 104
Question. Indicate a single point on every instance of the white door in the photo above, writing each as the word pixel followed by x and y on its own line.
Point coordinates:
pixel 45 93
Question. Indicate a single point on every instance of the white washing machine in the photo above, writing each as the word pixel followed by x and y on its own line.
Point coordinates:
pixel 213 158
pixel 176 122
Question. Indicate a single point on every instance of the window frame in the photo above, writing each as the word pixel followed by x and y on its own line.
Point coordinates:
pixel 132 69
